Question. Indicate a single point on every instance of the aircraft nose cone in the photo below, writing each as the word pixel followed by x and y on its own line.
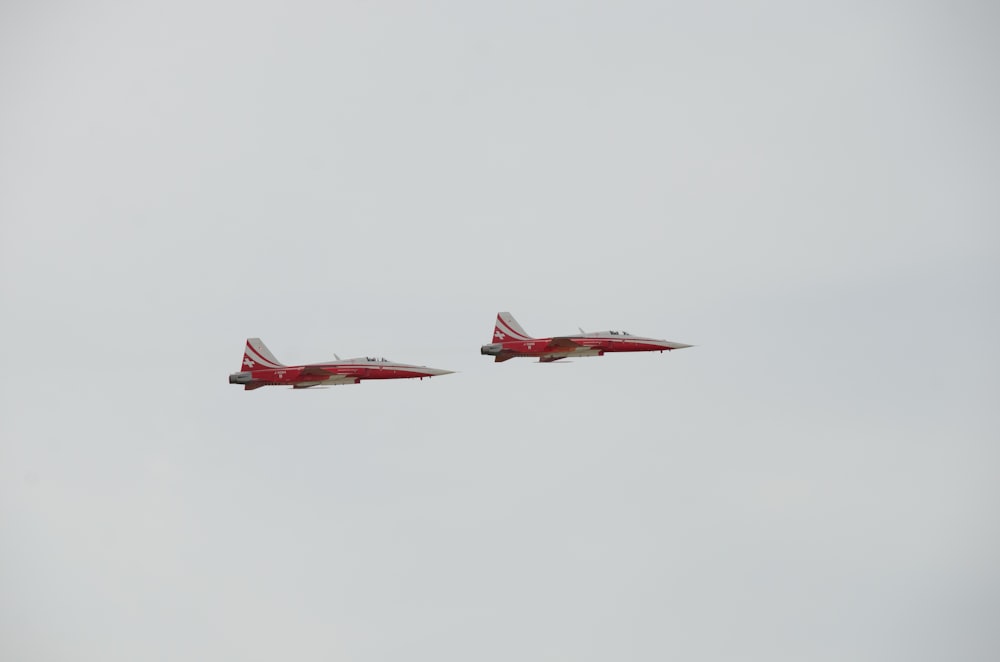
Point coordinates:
pixel 674 345
pixel 434 372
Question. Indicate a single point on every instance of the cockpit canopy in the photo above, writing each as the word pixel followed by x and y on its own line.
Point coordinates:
pixel 619 333
pixel 362 359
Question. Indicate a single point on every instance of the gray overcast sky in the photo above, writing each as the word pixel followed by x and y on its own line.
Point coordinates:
pixel 808 192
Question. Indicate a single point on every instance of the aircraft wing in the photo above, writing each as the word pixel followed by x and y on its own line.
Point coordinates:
pixel 316 371
pixel 327 376
pixel 567 344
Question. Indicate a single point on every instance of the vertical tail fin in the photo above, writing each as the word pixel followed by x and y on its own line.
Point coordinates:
pixel 507 328
pixel 257 355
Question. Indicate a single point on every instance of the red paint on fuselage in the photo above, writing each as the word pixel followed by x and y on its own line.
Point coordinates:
pixel 262 369
pixel 294 374
pixel 547 346
pixel 511 341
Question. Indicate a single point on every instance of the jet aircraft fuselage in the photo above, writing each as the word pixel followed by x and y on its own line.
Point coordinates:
pixel 510 341
pixel 260 368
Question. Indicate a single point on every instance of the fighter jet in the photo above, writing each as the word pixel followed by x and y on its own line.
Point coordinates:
pixel 260 368
pixel 510 340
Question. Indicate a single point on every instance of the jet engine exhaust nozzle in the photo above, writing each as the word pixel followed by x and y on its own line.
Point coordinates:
pixel 491 350
pixel 240 378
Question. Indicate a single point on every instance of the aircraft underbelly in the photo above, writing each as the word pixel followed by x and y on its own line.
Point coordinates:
pixel 580 352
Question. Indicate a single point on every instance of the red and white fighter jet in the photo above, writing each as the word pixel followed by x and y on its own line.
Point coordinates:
pixel 260 368
pixel 510 341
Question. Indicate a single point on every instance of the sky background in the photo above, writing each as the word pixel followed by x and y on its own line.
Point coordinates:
pixel 807 192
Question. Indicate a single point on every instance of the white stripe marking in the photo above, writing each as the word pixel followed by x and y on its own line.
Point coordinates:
pixel 254 356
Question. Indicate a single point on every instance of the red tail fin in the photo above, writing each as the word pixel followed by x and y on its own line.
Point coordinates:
pixel 257 355
pixel 507 328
